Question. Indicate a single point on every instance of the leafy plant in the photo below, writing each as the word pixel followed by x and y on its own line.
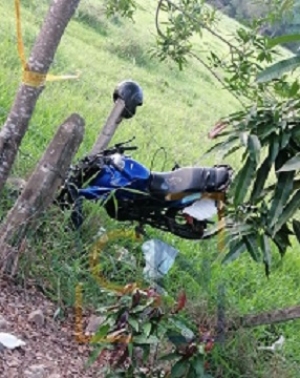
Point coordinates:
pixel 279 68
pixel 265 195
pixel 135 330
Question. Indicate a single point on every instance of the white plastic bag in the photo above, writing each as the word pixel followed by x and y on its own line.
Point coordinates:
pixel 159 258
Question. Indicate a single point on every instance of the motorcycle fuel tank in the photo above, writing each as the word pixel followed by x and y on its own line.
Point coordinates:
pixel 122 173
pixel 131 172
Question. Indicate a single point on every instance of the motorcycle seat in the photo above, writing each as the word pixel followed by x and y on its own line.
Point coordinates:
pixel 191 179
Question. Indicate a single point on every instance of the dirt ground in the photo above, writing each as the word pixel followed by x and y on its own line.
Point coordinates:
pixel 51 349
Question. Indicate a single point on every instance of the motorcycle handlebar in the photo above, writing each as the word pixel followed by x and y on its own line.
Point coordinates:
pixel 129 148
pixel 119 149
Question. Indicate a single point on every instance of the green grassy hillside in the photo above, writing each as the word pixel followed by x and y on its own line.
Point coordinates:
pixel 179 109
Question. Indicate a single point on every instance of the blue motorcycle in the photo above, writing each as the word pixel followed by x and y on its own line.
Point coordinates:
pixel 180 201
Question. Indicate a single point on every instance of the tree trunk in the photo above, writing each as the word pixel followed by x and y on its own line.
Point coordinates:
pixel 40 189
pixel 270 317
pixel 15 127
pixel 112 122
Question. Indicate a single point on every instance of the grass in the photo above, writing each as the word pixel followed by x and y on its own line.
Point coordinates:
pixel 179 109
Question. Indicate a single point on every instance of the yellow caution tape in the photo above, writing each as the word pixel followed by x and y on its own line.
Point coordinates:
pixel 31 78
pixel 95 268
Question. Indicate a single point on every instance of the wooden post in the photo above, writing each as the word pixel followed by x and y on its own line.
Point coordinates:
pixel 127 96
pixel 39 190
pixel 112 122
pixel 268 317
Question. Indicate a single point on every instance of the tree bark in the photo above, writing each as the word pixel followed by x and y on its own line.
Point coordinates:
pixel 41 57
pixel 270 317
pixel 40 189
pixel 110 127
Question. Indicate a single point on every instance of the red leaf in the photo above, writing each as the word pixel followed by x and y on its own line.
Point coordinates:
pixel 209 346
pixel 220 126
pixel 181 302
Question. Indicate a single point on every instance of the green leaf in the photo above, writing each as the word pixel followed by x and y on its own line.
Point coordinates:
pixel 179 369
pixel 146 352
pixel 223 147
pixel 191 373
pixel 281 239
pixel 278 69
pixel 145 340
pixel 283 190
pixel 140 308
pixel 288 212
pixel 274 145
pixel 261 178
pixel 291 165
pixel 281 158
pixel 169 357
pixel 288 38
pixel 147 329
pixel 176 338
pixel 296 228
pixel 243 181
pixel 266 250
pixel 95 354
pixel 185 331
pixel 100 334
pixel 134 324
pixel 198 367
pixel 235 251
pixel 252 246
pixel 254 147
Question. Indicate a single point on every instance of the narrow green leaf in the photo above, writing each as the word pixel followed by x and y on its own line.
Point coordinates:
pixel 288 212
pixel 261 178
pixel 296 228
pixel 145 340
pixel 254 147
pixel 294 89
pixel 179 369
pixel 130 349
pixel 252 246
pixel 283 190
pixel 266 250
pixel 223 146
pixel 278 69
pixel 285 138
pixel 291 165
pixel 281 239
pixel 243 181
pixel 281 158
pixel 274 145
pixel 235 251
pixel 288 38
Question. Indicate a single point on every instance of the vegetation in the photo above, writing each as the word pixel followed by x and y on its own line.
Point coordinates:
pixel 245 12
pixel 185 104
